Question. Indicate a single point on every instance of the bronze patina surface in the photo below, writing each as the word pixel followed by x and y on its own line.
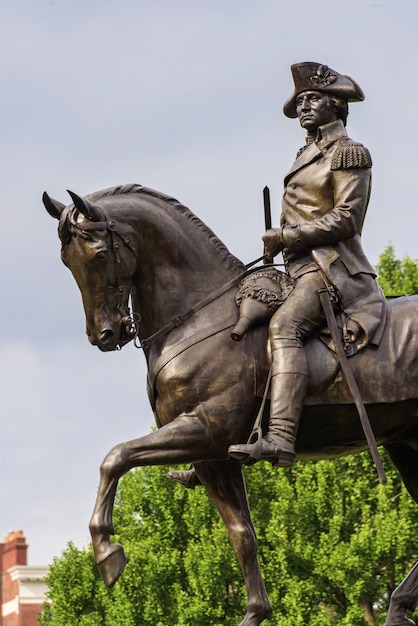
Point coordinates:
pixel 208 361
pixel 130 240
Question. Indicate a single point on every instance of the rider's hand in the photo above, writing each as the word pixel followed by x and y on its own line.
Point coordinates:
pixel 272 242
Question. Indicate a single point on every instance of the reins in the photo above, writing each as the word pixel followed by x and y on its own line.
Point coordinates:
pixel 132 319
pixel 179 319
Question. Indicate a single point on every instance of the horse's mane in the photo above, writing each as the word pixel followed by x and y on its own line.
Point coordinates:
pixel 221 250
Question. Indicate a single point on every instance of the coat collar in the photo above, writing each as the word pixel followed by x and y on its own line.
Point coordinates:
pixel 312 153
pixel 326 135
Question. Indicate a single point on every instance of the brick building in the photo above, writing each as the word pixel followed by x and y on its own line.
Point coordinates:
pixel 22 587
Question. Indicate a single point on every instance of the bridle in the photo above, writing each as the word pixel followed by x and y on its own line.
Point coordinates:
pixel 129 318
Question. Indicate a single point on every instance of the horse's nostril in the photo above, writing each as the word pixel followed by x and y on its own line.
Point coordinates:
pixel 106 336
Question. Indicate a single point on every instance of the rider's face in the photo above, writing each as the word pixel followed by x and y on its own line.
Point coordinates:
pixel 314 109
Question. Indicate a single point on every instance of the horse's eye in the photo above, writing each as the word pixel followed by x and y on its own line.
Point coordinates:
pixel 101 256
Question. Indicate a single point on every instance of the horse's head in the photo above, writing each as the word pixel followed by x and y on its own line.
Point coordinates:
pixel 103 261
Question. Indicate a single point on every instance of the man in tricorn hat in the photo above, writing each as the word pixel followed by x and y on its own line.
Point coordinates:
pixel 326 193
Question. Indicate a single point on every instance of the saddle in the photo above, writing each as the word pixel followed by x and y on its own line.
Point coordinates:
pixel 386 373
pixel 258 296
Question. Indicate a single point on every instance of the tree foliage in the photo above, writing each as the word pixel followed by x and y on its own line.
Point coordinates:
pixel 397 277
pixel 333 542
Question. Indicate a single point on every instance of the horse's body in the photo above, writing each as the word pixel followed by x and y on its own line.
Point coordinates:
pixel 134 241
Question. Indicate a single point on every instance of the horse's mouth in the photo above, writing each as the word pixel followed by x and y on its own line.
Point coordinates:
pixel 124 337
pixel 108 340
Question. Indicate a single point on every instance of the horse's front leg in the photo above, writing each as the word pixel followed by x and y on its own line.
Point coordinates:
pixel 171 445
pixel 225 485
pixel 404 598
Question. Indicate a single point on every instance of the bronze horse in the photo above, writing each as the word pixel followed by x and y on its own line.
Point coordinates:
pixel 133 242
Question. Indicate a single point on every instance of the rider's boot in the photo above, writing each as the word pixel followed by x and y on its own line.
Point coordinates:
pixel 289 385
pixel 186 478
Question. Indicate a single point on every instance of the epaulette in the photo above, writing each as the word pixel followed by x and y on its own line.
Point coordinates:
pixel 351 156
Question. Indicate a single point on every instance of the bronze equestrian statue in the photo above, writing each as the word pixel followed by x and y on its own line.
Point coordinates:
pixel 133 243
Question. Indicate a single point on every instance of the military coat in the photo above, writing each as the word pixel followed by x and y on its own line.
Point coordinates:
pixel 325 199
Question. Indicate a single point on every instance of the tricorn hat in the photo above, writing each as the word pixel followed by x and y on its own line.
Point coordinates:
pixel 310 76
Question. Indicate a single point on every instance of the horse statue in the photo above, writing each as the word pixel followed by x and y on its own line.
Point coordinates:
pixel 131 243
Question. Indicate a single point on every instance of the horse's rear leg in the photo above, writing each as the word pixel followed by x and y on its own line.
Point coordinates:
pixel 225 485
pixel 403 599
pixel 405 596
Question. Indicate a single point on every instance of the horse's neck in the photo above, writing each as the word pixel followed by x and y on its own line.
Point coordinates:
pixel 179 265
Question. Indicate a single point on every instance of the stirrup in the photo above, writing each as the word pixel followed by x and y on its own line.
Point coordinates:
pixel 250 453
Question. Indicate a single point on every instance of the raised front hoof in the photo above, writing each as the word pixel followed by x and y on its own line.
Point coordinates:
pixel 112 566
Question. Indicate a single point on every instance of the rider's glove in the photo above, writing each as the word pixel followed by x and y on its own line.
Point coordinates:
pixel 272 242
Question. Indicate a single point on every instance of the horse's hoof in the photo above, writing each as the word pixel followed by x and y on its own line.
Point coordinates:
pixel 402 621
pixel 255 618
pixel 112 566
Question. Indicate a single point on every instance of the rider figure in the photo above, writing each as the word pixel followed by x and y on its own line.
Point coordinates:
pixel 324 205
pixel 326 194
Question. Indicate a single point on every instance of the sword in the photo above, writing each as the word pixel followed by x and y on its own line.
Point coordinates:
pixel 351 381
pixel 267 220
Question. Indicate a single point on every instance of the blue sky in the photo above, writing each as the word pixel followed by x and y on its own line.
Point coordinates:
pixel 186 97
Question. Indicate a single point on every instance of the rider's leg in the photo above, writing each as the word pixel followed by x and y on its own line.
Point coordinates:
pixel 295 320
pixel 289 385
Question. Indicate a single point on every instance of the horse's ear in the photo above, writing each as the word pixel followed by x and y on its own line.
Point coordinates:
pixel 53 207
pixel 87 208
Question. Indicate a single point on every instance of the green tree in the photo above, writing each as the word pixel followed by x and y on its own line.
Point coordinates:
pixel 397 277
pixel 336 542
pixel 333 543
pixel 181 569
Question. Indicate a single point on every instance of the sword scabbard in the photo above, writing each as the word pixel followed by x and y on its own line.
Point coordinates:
pixel 351 381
